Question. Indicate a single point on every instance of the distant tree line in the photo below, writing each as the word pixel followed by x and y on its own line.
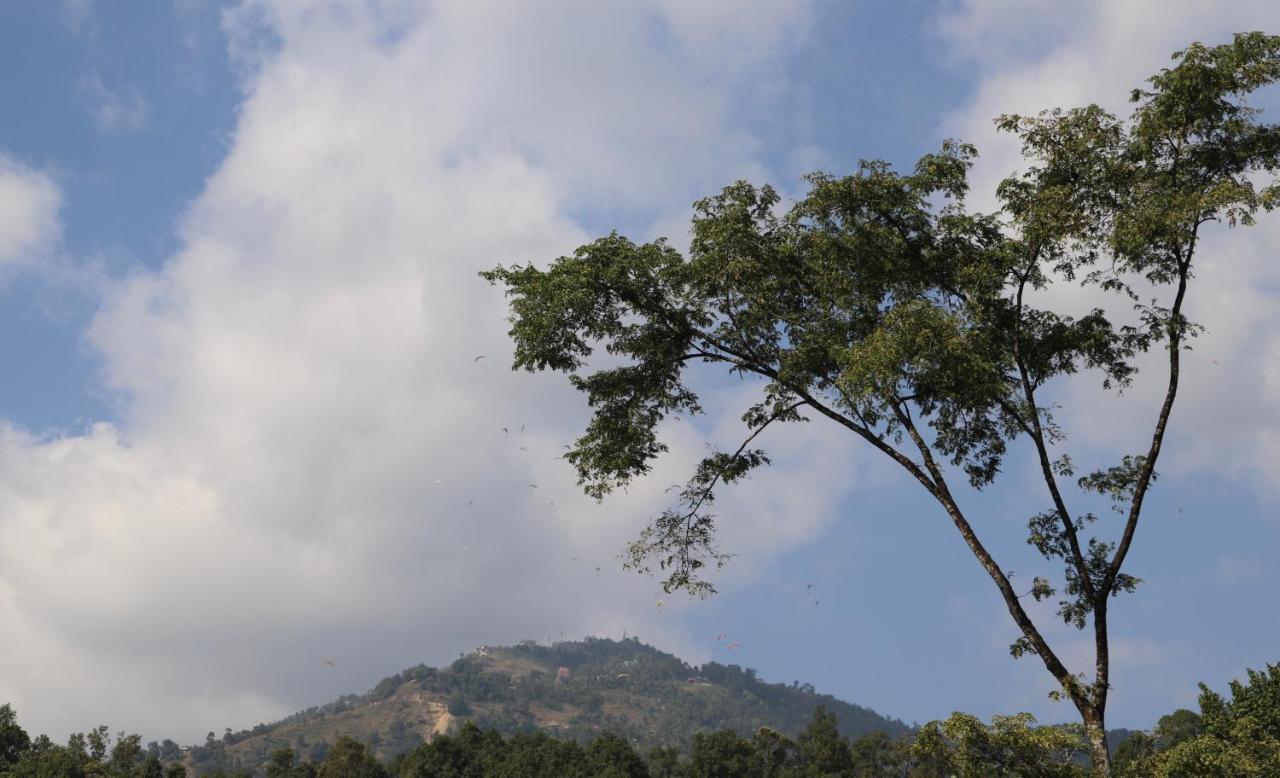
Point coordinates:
pixel 1235 736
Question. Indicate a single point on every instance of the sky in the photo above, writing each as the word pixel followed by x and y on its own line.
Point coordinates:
pixel 242 426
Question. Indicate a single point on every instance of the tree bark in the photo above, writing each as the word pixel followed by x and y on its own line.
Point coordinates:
pixel 1096 730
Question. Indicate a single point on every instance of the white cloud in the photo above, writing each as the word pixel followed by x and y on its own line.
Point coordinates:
pixel 115 111
pixel 309 464
pixel 29 202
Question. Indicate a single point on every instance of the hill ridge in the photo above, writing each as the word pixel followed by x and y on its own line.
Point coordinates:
pixel 573 689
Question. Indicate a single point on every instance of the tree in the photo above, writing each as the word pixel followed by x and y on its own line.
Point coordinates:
pixel 1239 737
pixel 152 767
pixel 13 738
pixel 722 754
pixel 664 762
pixel 612 757
pixel 283 765
pixel 1012 747
pixel 877 754
pixel 823 750
pixel 349 758
pixel 1176 727
pixel 126 752
pixel 774 755
pixel 1133 753
pixel 881 304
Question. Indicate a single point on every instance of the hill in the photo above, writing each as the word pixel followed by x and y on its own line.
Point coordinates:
pixel 572 689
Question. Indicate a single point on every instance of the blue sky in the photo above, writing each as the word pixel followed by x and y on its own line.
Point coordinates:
pixel 244 432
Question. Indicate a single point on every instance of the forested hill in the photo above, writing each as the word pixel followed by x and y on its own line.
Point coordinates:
pixel 571 689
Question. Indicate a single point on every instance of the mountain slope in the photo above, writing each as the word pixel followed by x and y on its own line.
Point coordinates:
pixel 573 689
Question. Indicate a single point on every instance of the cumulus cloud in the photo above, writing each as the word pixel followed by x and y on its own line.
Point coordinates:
pixel 308 461
pixel 29 202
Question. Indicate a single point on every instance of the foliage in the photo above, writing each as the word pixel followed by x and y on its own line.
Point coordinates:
pixel 13 738
pixel 881 303
pixel 1010 746
pixel 1239 737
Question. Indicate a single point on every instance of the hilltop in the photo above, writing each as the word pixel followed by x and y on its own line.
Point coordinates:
pixel 574 690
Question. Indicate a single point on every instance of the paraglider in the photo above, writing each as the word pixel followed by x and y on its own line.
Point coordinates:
pixel 733 646
pixel 478 358
pixel 328 662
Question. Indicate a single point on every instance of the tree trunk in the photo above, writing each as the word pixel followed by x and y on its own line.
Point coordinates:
pixel 1095 728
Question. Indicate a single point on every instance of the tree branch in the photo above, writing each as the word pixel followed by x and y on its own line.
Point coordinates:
pixel 943 494
pixel 1037 436
pixel 1162 420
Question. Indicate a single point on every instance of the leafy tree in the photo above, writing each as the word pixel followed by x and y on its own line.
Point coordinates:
pixel 877 755
pixel 13 738
pixel 283 765
pixel 609 756
pixel 664 762
pixel 1177 727
pixel 1010 747
pixel 881 304
pixel 98 740
pixel 774 753
pixel 349 758
pixel 823 749
pixel 722 754
pixel 1240 737
pixel 1133 753
pixel 152 767
pixel 126 753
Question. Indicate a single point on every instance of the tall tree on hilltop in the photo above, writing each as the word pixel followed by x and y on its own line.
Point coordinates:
pixel 881 304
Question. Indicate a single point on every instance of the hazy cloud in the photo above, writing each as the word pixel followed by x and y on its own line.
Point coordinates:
pixel 78 16
pixel 115 111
